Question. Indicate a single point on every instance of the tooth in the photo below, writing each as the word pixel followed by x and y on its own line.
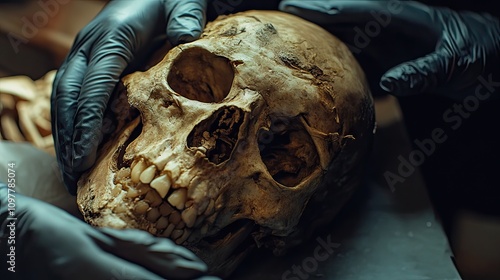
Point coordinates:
pixel 178 198
pixel 162 223
pixel 142 188
pixel 188 204
pixel 148 174
pixel 153 198
pixel 176 234
pixel 183 180
pixel 204 229
pixel 210 208
pixel 122 174
pixel 161 161
pixel 116 190
pixel 161 185
pixel 203 206
pixel 169 230
pixel 132 193
pixel 189 216
pixel 141 207
pixel 174 170
pixel 134 163
pixel 184 237
pixel 153 230
pixel 153 215
pixel 166 209
pixel 137 170
pixel 120 209
pixel 180 225
pixel 174 218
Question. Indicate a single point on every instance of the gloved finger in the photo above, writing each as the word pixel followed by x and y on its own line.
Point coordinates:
pixel 401 17
pixel 105 67
pixel 424 74
pixel 95 264
pixel 186 20
pixel 159 255
pixel 66 91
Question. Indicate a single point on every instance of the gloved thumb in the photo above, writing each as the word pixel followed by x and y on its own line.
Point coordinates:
pixel 186 20
pixel 424 74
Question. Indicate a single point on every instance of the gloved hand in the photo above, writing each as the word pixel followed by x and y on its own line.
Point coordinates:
pixel 51 244
pixel 409 48
pixel 101 52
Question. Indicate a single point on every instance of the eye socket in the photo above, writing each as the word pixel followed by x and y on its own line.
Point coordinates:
pixel 200 75
pixel 288 151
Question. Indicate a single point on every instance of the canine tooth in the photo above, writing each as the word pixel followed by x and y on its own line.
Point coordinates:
pixel 134 163
pixel 174 218
pixel 162 223
pixel 176 234
pixel 177 198
pixel 204 229
pixel 161 185
pixel 153 198
pixel 161 161
pixel 153 215
pixel 141 207
pixel 173 169
pixel 135 175
pixel 184 237
pixel 210 208
pixel 148 174
pixel 166 209
pixel 189 216
pixel 167 232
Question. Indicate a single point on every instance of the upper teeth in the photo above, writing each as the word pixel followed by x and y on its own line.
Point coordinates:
pixel 161 206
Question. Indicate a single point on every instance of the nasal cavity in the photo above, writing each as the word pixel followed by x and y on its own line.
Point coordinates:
pixel 198 74
pixel 218 134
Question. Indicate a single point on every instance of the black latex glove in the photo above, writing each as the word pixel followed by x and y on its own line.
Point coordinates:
pixel 409 48
pixel 51 244
pixel 123 30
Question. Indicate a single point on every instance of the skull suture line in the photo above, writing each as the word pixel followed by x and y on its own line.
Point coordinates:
pixel 253 135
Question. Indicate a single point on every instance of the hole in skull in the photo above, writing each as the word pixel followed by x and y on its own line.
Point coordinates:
pixel 218 134
pixel 121 150
pixel 200 75
pixel 288 151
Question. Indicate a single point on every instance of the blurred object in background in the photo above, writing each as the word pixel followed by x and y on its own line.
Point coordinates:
pixel 25 111
pixel 40 33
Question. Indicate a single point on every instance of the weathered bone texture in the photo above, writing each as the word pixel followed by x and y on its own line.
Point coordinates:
pixel 252 136
pixel 25 110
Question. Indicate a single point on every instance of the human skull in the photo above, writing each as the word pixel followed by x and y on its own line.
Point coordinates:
pixel 253 135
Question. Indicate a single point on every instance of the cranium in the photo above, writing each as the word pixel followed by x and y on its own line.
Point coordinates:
pixel 253 135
